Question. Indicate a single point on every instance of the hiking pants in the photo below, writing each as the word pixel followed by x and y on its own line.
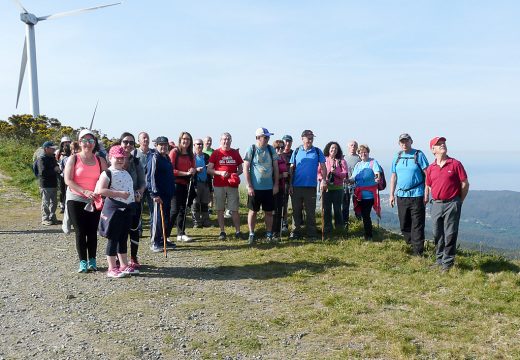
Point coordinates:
pixel 304 196
pixel 412 213
pixel 178 208
pixel 366 210
pixel 135 226
pixel 332 199
pixel 278 211
pixel 85 225
pixel 445 218
pixel 156 230
pixel 49 203
pixel 199 209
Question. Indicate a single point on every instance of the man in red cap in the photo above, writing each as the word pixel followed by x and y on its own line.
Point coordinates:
pixel 447 182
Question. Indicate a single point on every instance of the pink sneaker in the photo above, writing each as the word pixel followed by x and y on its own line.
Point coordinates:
pixel 130 270
pixel 135 263
pixel 115 273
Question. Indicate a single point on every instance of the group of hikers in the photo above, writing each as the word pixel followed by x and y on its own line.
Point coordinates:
pixel 104 193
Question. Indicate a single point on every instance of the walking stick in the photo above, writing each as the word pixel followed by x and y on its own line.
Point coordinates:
pixel 322 216
pixel 163 230
pixel 186 207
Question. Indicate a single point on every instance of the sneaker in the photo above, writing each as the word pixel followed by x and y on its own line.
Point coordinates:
pixel 184 238
pixel 239 236
pixel 222 236
pixel 269 237
pixel 92 264
pixel 115 273
pixel 155 248
pixel 56 222
pixel 135 263
pixel 130 270
pixel 47 222
pixel 82 266
pixel 170 244
pixel 252 239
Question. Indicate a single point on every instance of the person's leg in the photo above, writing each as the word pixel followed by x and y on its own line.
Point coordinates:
pixel 63 188
pixel 233 205
pixel 451 226
pixel 297 207
pixel 404 209
pixel 219 202
pixel 418 216
pixel 196 207
pixel 181 193
pixel 267 203
pixel 337 198
pixel 366 209
pixel 45 210
pixel 438 230
pixel 111 253
pixel 310 211
pixel 53 204
pixel 345 204
pixel 92 219
pixel 251 221
pixel 134 230
pixel 278 209
pixel 76 215
pixel 327 212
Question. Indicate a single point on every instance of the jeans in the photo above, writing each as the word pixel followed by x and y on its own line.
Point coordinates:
pixel 332 199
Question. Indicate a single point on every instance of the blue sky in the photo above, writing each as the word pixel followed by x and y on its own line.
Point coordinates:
pixel 367 70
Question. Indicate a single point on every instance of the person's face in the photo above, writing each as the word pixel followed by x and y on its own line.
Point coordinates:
pixel 49 150
pixel 333 151
pixel 128 144
pixel 162 148
pixel 307 141
pixel 144 140
pixel 405 144
pixel 288 145
pixel 87 143
pixel 280 148
pixel 118 162
pixel 352 148
pixel 225 142
pixel 440 147
pixel 207 142
pixel 262 140
pixel 363 154
pixel 185 141
pixel 197 147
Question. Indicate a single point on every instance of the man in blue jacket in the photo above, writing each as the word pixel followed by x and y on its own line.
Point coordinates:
pixel 161 186
pixel 48 171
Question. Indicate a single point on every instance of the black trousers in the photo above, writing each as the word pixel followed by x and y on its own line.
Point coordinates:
pixel 412 214
pixel 85 226
pixel 366 209
pixel 178 207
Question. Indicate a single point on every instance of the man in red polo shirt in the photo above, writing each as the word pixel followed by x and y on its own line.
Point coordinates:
pixel 447 182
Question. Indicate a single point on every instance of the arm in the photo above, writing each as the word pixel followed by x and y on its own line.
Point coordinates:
pixel 464 189
pixel 323 169
pixel 103 190
pixel 393 180
pixel 250 189
pixel 427 191
pixel 276 177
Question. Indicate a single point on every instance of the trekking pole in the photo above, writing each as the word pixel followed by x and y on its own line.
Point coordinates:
pixel 186 207
pixel 163 230
pixel 322 216
pixel 281 213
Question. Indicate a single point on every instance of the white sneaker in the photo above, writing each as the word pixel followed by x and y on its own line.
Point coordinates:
pixel 184 238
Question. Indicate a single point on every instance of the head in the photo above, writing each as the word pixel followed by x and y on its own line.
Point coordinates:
pixel 307 138
pixel 333 150
pixel 144 140
pixel 198 145
pixel 67 149
pixel 49 148
pixel 364 152
pixel 279 146
pixel 352 147
pixel 208 141
pixel 438 145
pixel 288 142
pixel 64 141
pixel 117 156
pixel 87 141
pixel 262 137
pixel 405 142
pixel 161 144
pixel 127 141
pixel 186 143
pixel 225 141
pixel 75 148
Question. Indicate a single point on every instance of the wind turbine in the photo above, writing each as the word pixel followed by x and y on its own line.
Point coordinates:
pixel 29 51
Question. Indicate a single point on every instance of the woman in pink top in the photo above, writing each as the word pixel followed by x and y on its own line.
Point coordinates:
pixel 81 174
pixel 337 171
pixel 281 196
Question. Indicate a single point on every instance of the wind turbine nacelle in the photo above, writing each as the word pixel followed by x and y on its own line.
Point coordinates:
pixel 29 18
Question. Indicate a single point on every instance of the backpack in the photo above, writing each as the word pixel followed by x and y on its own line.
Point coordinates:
pixel 99 204
pixel 415 158
pixel 381 185
pixel 35 167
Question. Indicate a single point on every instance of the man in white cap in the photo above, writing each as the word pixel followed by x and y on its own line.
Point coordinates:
pixel 447 182
pixel 261 172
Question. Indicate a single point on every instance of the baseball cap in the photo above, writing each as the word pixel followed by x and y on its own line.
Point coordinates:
pixel 307 133
pixel 161 140
pixel 263 132
pixel 117 151
pixel 435 140
pixel 85 132
pixel 48 144
pixel 405 136
pixel 287 138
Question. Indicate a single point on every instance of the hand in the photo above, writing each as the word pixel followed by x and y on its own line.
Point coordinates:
pixel 192 171
pixel 89 194
pixel 124 194
pixel 324 186
pixel 250 190
pixel 137 196
pixel 426 199
pixel 285 174
pixel 225 174
pixel 276 189
pixel 392 200
pixel 157 200
pixel 199 169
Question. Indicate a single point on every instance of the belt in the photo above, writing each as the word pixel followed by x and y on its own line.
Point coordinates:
pixel 444 201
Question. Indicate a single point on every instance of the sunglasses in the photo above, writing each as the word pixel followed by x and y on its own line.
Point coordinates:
pixel 88 141
pixel 128 142
pixel 280 147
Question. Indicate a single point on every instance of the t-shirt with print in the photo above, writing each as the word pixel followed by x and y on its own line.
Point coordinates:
pixel 224 160
pixel 121 181
pixel 262 166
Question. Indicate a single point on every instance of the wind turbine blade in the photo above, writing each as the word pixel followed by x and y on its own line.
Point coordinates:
pixel 74 12
pixel 22 70
pixel 93 116
pixel 19 4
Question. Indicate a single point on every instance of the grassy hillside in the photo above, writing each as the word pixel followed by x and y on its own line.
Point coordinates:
pixel 16 162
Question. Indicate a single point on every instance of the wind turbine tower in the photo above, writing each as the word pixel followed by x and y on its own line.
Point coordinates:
pixel 29 51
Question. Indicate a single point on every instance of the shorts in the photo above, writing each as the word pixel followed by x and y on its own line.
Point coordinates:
pixel 223 192
pixel 262 197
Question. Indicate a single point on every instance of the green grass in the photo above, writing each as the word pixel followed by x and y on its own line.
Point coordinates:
pixel 16 162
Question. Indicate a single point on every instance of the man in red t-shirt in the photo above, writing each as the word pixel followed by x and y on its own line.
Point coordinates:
pixel 447 182
pixel 225 164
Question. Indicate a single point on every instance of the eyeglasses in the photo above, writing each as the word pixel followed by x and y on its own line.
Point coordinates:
pixel 88 141
pixel 128 142
pixel 198 144
pixel 186 138
pixel 280 147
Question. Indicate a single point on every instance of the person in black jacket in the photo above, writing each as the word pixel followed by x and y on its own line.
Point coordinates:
pixel 48 171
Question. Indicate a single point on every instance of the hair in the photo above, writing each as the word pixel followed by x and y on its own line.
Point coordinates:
pixel 277 143
pixel 142 133
pixel 363 147
pixel 67 149
pixel 326 151
pixel 75 147
pixel 125 134
pixel 226 134
pixel 189 150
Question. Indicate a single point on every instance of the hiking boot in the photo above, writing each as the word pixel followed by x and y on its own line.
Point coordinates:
pixel 115 273
pixel 170 244
pixel 252 239
pixel 222 236
pixel 92 266
pixel 269 237
pixel 134 262
pixel 130 270
pixel 239 236
pixel 155 248
pixel 82 266
pixel 184 238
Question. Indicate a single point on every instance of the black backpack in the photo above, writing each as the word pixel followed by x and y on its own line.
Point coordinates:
pixel 415 158
pixel 381 185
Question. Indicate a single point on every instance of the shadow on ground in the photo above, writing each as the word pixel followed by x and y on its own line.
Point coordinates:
pixel 31 231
